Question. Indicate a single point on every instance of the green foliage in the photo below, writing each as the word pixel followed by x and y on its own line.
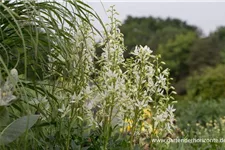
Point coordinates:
pixel 175 53
pixel 209 84
pixel 30 30
pixel 165 34
pixel 204 53
pixel 17 128
pixel 4 116
pixel 208 51
pixel 189 114
pixel 201 120
pixel 219 36
pixel 33 34
pixel 79 105
pixel 152 31
pixel 181 45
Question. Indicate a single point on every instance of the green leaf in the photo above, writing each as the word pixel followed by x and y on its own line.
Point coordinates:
pixel 17 128
pixel 4 116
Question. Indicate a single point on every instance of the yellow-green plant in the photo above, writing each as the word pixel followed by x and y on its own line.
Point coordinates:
pixel 208 84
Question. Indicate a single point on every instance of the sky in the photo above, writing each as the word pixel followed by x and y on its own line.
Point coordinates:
pixel 205 14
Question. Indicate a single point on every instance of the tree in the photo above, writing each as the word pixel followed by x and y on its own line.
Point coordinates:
pixel 209 84
pixel 152 31
pixel 204 52
pixel 176 52
pixel 208 51
pixel 219 36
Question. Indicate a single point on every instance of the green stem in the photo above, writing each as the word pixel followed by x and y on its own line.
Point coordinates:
pixel 133 129
pixel 68 136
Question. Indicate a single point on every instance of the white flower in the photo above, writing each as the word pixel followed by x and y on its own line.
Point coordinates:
pixel 166 72
pixel 160 118
pixel 168 127
pixel 111 74
pixel 161 78
pixel 14 75
pixel 76 98
pixel 38 100
pixel 170 109
pixel 147 49
pixel 87 90
pixel 136 51
pixel 6 97
pixel 6 91
pixel 141 104
pixel 64 110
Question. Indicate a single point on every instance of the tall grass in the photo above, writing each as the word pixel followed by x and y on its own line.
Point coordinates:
pixel 44 41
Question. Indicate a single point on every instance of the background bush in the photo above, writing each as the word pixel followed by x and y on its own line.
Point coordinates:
pixel 207 84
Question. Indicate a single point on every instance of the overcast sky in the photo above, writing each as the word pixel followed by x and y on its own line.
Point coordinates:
pixel 207 15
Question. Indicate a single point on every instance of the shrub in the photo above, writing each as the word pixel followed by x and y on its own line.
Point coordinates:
pixel 201 112
pixel 209 84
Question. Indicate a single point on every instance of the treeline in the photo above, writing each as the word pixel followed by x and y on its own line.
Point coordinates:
pixel 182 47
